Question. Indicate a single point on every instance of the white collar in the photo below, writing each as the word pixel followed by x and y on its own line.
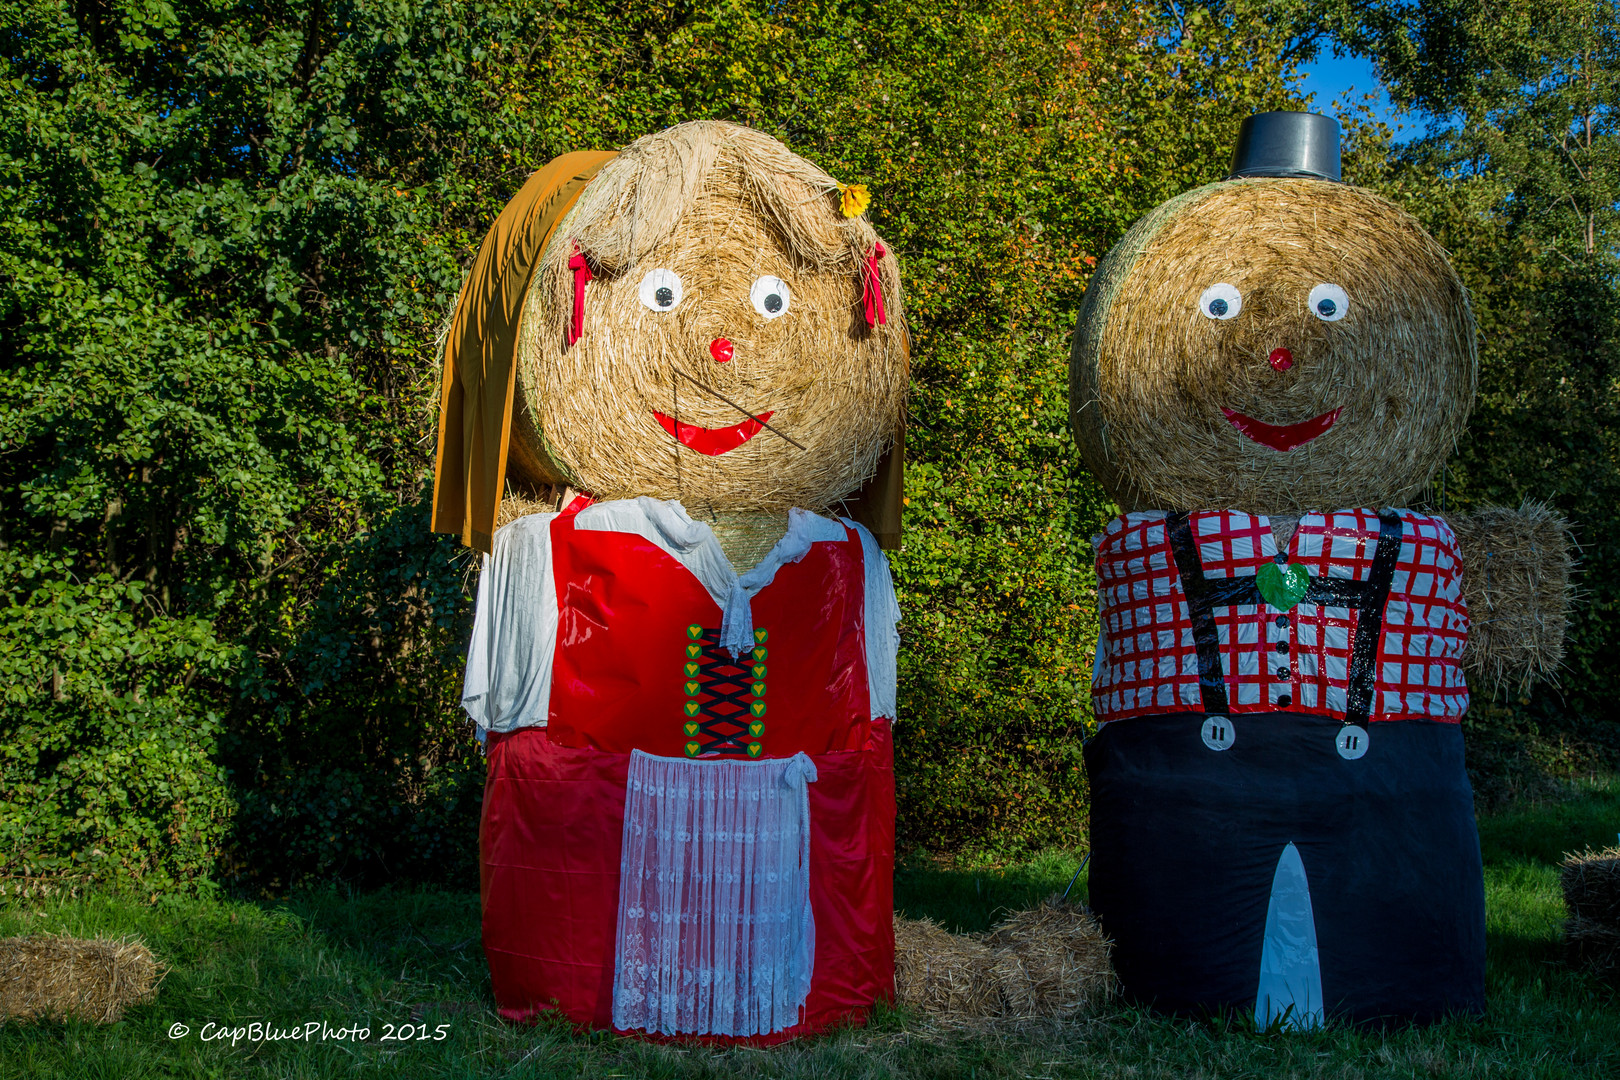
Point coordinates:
pixel 667 525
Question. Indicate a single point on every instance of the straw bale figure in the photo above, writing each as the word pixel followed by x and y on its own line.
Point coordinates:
pixel 670 368
pixel 1266 371
pixel 716 209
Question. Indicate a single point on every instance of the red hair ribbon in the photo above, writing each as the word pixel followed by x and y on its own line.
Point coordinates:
pixel 582 274
pixel 872 287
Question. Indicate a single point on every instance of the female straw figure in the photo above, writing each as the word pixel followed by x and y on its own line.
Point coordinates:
pixel 685 673
pixel 1266 372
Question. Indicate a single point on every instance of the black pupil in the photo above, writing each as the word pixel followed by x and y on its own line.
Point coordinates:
pixel 1327 308
pixel 665 296
pixel 773 303
pixel 1217 307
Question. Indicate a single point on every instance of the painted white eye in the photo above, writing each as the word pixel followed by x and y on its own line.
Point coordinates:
pixel 769 296
pixel 1220 301
pixel 661 289
pixel 1328 303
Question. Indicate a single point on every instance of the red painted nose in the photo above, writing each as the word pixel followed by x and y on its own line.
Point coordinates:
pixel 720 349
pixel 1281 359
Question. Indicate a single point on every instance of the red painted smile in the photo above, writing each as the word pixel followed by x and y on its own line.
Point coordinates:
pixel 1281 438
pixel 713 441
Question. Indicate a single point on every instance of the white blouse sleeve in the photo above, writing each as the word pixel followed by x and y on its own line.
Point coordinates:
pixel 882 625
pixel 514 638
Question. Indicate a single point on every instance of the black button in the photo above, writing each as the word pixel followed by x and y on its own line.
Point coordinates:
pixel 1283 701
pixel 1282 558
pixel 1282 646
pixel 1285 673
pixel 1282 620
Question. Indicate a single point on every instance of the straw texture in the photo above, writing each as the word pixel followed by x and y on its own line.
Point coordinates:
pixel 1517 566
pixel 55 978
pixel 720 206
pixel 1591 883
pixel 1050 961
pixel 1150 373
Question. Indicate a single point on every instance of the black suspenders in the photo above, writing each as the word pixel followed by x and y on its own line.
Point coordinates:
pixel 1367 597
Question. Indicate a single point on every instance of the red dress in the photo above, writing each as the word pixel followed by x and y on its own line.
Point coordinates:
pixel 637 666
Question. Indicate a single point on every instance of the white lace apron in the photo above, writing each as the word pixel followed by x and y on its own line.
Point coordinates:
pixel 715 934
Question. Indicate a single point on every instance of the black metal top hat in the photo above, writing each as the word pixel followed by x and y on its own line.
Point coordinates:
pixel 1287 144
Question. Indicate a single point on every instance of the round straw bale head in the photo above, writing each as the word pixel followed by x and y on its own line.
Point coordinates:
pixel 702 236
pixel 1274 345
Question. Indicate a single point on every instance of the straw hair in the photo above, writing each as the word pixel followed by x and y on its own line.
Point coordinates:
pixel 1516 582
pixel 1150 373
pixel 720 206
pixel 57 978
pixel 1050 961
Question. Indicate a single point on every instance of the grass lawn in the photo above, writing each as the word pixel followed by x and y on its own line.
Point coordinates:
pixel 412 958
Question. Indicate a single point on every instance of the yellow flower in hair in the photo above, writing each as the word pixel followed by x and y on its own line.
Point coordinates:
pixel 854 199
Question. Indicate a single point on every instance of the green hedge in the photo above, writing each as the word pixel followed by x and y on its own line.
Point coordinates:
pixel 229 234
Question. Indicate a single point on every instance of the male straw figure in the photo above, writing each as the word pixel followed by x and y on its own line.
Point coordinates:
pixel 687 676
pixel 1267 371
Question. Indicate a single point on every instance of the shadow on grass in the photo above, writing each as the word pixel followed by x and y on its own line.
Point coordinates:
pixel 411 957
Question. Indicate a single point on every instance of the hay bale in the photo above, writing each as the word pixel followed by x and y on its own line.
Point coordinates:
pixel 720 206
pixel 1151 373
pixel 1594 947
pixel 1051 961
pixel 1517 566
pixel 1591 883
pixel 948 976
pixel 55 978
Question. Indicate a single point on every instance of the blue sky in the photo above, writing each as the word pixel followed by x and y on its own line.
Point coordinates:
pixel 1346 79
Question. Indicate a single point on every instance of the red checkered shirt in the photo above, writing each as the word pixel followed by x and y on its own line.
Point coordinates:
pixel 1302 658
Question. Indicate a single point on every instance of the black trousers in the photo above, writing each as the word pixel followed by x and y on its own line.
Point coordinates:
pixel 1185 841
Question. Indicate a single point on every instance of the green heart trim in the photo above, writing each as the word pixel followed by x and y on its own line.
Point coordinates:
pixel 1282 586
pixel 753 749
pixel 692 749
pixel 691 670
pixel 691 728
pixel 692 708
pixel 692 689
pixel 761 636
pixel 759 671
pixel 757 708
pixel 756 729
pixel 694 651
pixel 757 689
pixel 760 652
pixel 694 631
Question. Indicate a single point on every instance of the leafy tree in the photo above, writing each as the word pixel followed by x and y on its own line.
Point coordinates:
pixel 1519 175
pixel 229 234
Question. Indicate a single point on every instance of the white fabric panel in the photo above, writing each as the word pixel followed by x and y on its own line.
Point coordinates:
pixel 882 625
pixel 1290 991
pixel 715 933
pixel 514 639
